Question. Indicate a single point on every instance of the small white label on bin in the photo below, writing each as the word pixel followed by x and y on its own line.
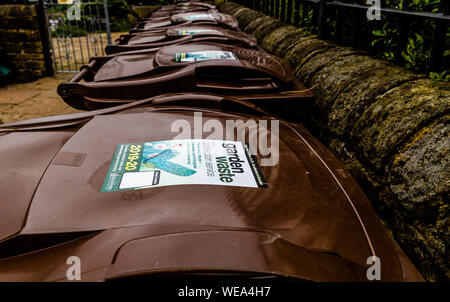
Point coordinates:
pixel 204 55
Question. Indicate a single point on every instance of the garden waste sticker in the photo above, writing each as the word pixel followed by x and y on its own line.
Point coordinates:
pixel 204 55
pixel 187 32
pixel 199 16
pixel 182 162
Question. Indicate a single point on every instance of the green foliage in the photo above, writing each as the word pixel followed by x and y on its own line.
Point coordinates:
pixel 121 18
pixel 384 39
pixel 117 8
pixel 416 55
pixel 416 5
pixel 426 5
pixel 68 28
pixel 443 76
pixel 387 37
pixel 308 24
pixel 417 52
pixel 120 25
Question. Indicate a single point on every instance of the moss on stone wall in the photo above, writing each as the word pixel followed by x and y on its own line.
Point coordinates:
pixel 389 126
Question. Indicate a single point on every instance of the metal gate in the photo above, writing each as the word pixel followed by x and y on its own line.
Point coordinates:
pixel 77 32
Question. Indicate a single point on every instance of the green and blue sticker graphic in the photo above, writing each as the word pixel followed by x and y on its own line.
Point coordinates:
pixel 182 162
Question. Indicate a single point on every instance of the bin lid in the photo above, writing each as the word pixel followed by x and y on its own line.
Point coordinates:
pixel 147 38
pixel 190 30
pixel 212 17
pixel 226 54
pixel 158 23
pixel 209 30
pixel 302 212
pixel 213 54
pixel 159 14
pixel 127 65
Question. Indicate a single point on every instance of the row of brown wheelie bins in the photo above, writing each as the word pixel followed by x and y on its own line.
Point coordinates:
pixel 189 47
pixel 153 181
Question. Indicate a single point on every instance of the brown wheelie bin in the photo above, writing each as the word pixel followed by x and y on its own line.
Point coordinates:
pixel 182 7
pixel 161 15
pixel 197 18
pixel 67 193
pixel 178 9
pixel 181 34
pixel 247 74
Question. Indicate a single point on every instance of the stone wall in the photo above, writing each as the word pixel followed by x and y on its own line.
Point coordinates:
pixel 20 38
pixel 389 126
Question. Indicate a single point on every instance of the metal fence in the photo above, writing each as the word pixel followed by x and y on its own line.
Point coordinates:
pixel 73 42
pixel 346 23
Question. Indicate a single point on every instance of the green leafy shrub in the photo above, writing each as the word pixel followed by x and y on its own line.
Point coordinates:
pixel 120 25
pixel 69 29
pixel 416 54
pixel 121 18
pixel 382 38
pixel 442 76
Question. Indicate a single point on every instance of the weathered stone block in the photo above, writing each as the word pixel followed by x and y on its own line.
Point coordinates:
pixel 15 57
pixel 245 16
pixel 295 56
pixel 422 169
pixel 362 92
pixel 17 10
pixel 25 22
pixel 395 116
pixel 289 40
pixel 20 35
pixel 228 7
pixel 253 25
pixel 265 28
pixel 271 41
pixel 317 60
pixel 334 78
pixel 12 35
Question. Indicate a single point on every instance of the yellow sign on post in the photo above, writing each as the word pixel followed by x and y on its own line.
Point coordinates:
pixel 65 1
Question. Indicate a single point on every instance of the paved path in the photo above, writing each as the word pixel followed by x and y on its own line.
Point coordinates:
pixel 39 98
pixel 35 99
